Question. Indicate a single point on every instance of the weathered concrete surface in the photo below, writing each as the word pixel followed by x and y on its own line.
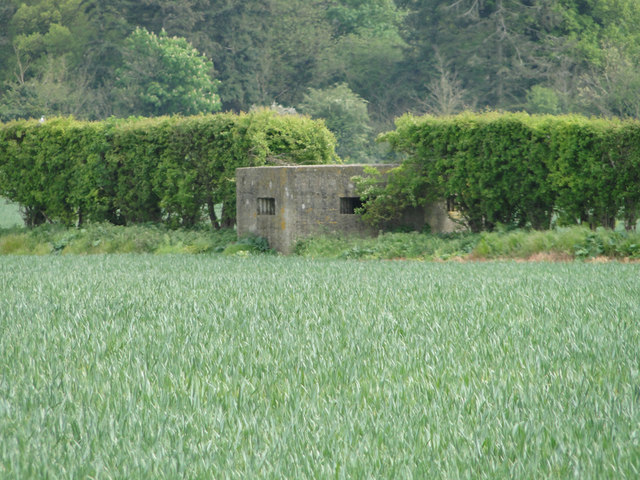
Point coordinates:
pixel 307 201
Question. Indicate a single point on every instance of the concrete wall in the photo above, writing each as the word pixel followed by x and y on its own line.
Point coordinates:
pixel 306 201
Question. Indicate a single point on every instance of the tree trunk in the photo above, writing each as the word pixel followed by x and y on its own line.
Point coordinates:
pixel 227 220
pixel 211 207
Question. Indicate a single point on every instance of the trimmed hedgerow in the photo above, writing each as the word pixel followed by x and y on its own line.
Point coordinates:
pixel 138 170
pixel 517 169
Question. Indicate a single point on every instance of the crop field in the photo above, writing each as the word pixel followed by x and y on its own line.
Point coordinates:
pixel 142 366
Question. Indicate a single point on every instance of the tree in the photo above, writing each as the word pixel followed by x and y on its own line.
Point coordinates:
pixel 103 50
pixel 593 48
pixel 42 53
pixel 541 99
pixel 266 50
pixel 165 75
pixel 541 55
pixel 445 95
pixel 367 53
pixel 345 114
pixel 54 91
pixel 497 48
pixel 613 88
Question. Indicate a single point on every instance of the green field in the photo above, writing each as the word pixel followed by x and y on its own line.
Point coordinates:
pixel 9 214
pixel 183 366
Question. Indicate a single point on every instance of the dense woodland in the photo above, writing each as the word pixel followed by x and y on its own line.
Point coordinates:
pixel 369 60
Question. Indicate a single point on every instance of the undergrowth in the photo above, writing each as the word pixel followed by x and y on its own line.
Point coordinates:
pixel 107 238
pixel 559 244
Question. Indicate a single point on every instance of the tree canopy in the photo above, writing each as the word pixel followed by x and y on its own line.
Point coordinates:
pixel 164 76
pixel 88 58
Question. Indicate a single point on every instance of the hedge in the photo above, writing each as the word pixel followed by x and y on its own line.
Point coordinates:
pixel 516 169
pixel 127 171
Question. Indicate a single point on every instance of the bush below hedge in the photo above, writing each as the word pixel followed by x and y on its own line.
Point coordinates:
pixel 107 238
pixel 567 243
pixel 558 244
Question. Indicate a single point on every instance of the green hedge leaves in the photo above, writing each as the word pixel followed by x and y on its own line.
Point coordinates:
pixel 497 168
pixel 138 170
pixel 521 170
